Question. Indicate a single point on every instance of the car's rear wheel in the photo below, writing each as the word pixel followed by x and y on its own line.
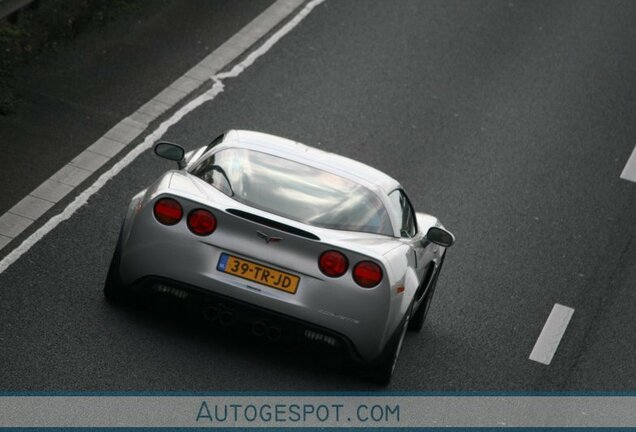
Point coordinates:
pixel 419 317
pixel 114 289
pixel 381 371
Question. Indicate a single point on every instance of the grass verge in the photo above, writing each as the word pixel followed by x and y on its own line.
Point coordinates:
pixel 44 26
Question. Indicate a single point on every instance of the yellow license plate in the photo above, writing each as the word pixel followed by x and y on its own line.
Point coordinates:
pixel 258 273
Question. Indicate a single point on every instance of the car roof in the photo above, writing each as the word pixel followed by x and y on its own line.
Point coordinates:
pixel 348 168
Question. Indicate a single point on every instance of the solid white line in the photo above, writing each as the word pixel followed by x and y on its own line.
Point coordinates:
pixel 149 140
pixel 629 172
pixel 551 335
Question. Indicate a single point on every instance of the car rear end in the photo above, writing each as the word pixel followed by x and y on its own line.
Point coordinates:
pixel 188 238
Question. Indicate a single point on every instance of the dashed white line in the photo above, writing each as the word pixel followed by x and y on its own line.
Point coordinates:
pixel 54 190
pixel 550 337
pixel 629 172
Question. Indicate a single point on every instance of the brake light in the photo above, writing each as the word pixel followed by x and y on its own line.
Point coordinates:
pixel 201 222
pixel 168 211
pixel 367 274
pixel 333 263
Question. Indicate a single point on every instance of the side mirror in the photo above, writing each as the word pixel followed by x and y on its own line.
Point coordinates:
pixel 440 236
pixel 170 151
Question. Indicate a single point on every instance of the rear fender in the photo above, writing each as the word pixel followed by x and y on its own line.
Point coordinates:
pixel 139 201
pixel 136 203
pixel 401 276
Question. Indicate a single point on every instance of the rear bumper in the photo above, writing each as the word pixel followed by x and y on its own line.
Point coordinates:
pixel 230 311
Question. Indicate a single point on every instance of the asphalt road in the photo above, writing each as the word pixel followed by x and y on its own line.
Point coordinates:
pixel 511 121
pixel 72 96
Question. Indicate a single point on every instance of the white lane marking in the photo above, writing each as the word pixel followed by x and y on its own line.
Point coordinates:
pixel 629 172
pixel 149 140
pixel 551 335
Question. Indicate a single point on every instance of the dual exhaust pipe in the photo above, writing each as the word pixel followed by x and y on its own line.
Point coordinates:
pixel 226 317
pixel 271 332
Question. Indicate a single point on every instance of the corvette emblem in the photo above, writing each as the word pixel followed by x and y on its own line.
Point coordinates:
pixel 268 239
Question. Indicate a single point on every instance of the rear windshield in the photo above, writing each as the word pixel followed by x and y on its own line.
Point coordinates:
pixel 294 190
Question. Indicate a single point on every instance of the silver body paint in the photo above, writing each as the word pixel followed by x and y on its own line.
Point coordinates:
pixel 368 317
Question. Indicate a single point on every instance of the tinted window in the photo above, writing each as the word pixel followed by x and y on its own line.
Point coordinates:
pixel 294 190
pixel 404 214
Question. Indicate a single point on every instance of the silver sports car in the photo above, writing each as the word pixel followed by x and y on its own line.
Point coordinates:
pixel 287 239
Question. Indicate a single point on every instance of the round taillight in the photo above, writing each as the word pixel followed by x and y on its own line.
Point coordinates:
pixel 333 263
pixel 367 274
pixel 168 211
pixel 201 222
